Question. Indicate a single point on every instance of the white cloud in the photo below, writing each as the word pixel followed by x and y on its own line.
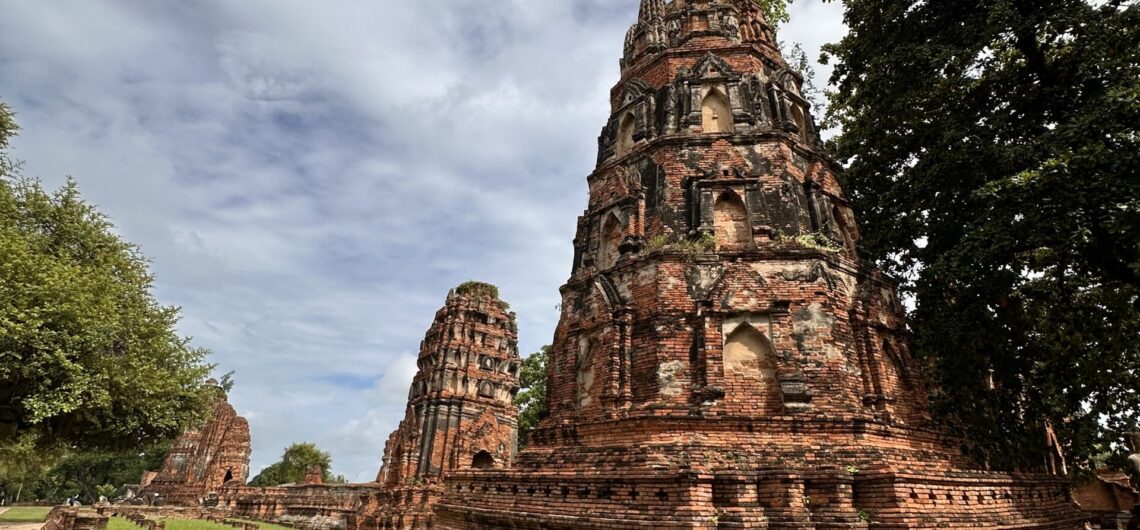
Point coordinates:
pixel 312 177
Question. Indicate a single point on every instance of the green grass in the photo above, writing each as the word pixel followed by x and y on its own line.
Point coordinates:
pixel 266 526
pixel 118 523
pixel 24 515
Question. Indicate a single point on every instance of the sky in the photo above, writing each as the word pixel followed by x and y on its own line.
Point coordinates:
pixel 310 178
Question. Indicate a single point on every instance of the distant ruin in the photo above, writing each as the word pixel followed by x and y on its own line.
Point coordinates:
pixel 201 461
pixel 724 358
pixel 460 410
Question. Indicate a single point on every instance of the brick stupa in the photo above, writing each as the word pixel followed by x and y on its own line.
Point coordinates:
pixel 724 359
pixel 460 411
pixel 202 460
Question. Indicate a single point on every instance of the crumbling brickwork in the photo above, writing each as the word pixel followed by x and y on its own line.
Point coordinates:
pixel 460 411
pixel 724 359
pixel 201 461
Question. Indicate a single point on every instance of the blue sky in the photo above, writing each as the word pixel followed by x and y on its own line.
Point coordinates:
pixel 311 177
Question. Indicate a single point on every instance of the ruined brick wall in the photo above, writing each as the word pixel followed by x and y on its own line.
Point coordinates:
pixel 201 461
pixel 314 506
pixel 724 358
pixel 460 411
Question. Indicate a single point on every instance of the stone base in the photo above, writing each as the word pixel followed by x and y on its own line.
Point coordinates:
pixel 764 499
pixel 404 508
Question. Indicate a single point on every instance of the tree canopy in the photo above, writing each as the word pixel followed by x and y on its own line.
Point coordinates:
pixel 295 462
pixel 88 357
pixel 531 398
pixel 992 150
pixel 775 11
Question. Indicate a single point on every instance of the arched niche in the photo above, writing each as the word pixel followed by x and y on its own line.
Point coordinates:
pixel 610 248
pixel 716 113
pixel 897 367
pixel 584 372
pixel 730 222
pixel 750 370
pixel 625 134
pixel 482 460
pixel 801 121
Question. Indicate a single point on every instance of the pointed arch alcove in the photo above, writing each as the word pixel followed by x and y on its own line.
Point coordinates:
pixel 716 113
pixel 584 372
pixel 626 126
pixel 611 235
pixel 750 380
pixel 730 222
pixel 801 122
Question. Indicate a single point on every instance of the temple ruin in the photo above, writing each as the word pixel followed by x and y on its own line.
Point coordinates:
pixel 201 461
pixel 724 358
pixel 460 411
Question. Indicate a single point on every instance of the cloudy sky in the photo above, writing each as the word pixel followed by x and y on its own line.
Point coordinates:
pixel 311 177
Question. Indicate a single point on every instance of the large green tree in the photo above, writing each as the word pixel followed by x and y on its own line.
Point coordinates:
pixel 992 154
pixel 531 398
pixel 88 357
pixel 295 462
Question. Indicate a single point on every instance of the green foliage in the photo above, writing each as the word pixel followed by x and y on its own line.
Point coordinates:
pixel 703 244
pixel 295 462
pixel 775 11
pixel 531 399
pixel 88 357
pixel 815 240
pixel 799 62
pixel 480 291
pixel 92 473
pixel 25 515
pixel 992 157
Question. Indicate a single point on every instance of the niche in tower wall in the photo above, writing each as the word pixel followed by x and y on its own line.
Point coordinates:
pixel 716 113
pixel 822 212
pixel 730 222
pixel 584 371
pixel 712 81
pixel 611 234
pixel 749 361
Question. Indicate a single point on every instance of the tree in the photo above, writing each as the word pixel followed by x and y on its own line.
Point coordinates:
pixel 294 464
pixel 88 357
pixel 531 398
pixel 95 473
pixel 992 153
pixel 775 11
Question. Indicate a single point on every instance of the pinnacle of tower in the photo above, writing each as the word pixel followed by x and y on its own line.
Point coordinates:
pixel 651 10
pixel 661 26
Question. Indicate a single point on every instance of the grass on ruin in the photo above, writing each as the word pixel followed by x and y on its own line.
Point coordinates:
pixel 25 515
pixel 264 525
pixel 118 523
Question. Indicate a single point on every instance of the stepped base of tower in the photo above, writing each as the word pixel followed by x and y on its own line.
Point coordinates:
pixel 404 508
pixel 786 473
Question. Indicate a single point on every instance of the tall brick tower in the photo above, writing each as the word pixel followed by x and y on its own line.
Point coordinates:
pixel 460 411
pixel 724 359
pixel 201 461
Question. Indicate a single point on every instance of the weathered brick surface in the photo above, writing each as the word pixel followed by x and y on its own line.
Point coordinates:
pixel 724 359
pixel 460 410
pixel 201 461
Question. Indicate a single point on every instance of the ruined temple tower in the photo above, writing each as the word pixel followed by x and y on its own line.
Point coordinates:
pixel 460 411
pixel 724 359
pixel 202 460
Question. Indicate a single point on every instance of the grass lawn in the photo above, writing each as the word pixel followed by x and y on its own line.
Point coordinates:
pixel 25 515
pixel 118 523
pixel 266 526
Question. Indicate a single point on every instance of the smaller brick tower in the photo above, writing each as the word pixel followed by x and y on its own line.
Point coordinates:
pixel 460 409
pixel 201 461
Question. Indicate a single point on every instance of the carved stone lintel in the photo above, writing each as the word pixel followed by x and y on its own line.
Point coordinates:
pixel 797 396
